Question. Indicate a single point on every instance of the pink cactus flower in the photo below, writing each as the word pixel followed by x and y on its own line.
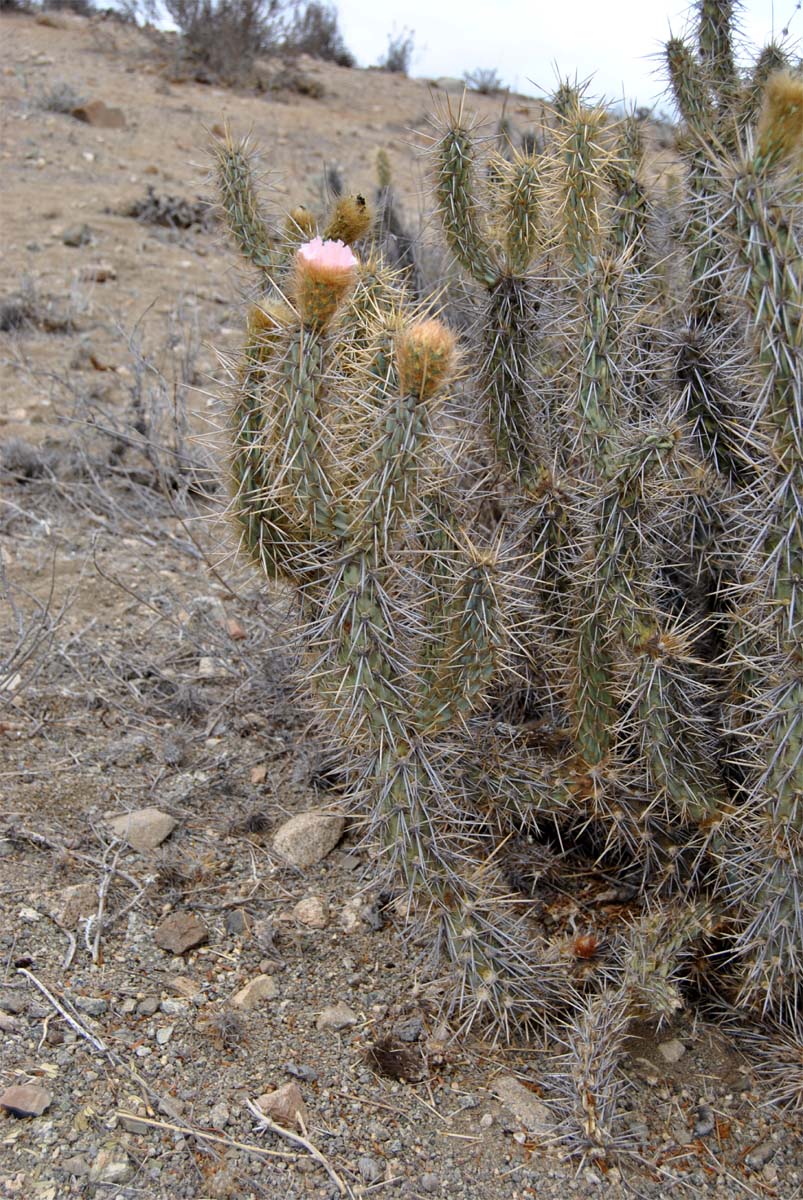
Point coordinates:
pixel 325 273
pixel 321 256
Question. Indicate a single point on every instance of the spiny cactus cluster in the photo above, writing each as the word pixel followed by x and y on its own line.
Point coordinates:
pixel 549 579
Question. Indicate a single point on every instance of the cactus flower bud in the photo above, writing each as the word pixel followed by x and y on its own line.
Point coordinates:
pixel 350 220
pixel 325 273
pixel 425 358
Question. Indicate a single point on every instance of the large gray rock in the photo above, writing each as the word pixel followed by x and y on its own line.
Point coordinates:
pixel 308 837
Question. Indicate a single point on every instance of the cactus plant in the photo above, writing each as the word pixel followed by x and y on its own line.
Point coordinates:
pixel 619 547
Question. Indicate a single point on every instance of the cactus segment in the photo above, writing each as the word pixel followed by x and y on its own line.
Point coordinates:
pixel 241 205
pixel 457 205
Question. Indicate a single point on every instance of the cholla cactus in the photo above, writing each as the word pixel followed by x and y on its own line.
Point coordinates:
pixel 583 629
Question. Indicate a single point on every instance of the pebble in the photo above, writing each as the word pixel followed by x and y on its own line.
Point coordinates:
pixel 77 235
pixel 164 1035
pixel 93 1006
pixel 312 912
pixel 219 1116
pixel 263 987
pixel 705 1122
pixel 430 1182
pixel 409 1030
pixel 148 1006
pixel 75 1165
pixel 300 1071
pixel 25 1100
pixel 757 1157
pixel 98 273
pixel 336 1016
pixel 111 1166
pixel 284 1105
pixel 12 1002
pixel 144 829
pixel 173 1008
pixel 237 922
pixel 184 986
pixel 672 1051
pixel 350 917
pixel 308 837
pixel 74 904
pixel 523 1104
pixel 370 1169
pixel 180 932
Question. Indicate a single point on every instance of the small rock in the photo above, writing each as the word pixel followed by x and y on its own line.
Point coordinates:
pixel 486 1120
pixel 337 1016
pixel 75 1165
pixel 148 1006
pixel 100 115
pixel 371 1170
pixel 705 1122
pixel 757 1157
pixel 173 1008
pixel 308 837
pixel 409 1030
pixel 131 1124
pixel 77 235
pixel 98 273
pixel 12 1002
pixel 351 914
pixel 238 922
pixel 8 1023
pixel 164 1035
pixel 219 1116
pixel 144 829
pixel 111 1166
pixel 182 985
pixel 211 668
pixel 313 912
pixel 25 1100
pixel 259 989
pixel 284 1106
pixel 523 1104
pixel 672 1051
pixel 74 904
pixel 430 1182
pixel 300 1071
pixel 92 1005
pixel 180 932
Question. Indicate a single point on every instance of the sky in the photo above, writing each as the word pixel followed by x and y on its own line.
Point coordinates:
pixel 616 41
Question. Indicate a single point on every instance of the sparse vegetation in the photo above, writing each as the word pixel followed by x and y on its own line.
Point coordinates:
pixel 485 80
pixel 59 97
pixel 314 30
pixel 398 57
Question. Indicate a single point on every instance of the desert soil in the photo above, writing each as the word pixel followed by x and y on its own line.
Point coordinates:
pixel 147 668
